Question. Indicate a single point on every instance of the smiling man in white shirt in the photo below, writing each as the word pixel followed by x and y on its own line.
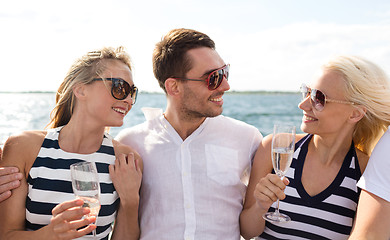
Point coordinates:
pixel 196 161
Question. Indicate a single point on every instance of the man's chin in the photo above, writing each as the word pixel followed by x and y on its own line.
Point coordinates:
pixel 215 114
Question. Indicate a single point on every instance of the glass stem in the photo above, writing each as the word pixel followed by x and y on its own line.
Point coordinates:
pixel 277 207
pixel 277 201
pixel 94 231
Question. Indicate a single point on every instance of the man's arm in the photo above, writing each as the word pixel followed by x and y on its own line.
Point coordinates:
pixel 372 218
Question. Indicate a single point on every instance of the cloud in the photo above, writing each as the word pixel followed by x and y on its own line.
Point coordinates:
pixel 283 58
pixel 41 40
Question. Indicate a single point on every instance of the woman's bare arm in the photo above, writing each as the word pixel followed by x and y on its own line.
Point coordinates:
pixel 20 151
pixel 126 175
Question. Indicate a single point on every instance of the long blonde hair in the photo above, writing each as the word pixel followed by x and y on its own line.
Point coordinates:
pixel 82 71
pixel 367 85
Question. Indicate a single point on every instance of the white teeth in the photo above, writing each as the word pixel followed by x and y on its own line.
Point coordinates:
pixel 216 99
pixel 309 118
pixel 119 110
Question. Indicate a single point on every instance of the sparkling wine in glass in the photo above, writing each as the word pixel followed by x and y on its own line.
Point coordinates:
pixel 85 183
pixel 283 142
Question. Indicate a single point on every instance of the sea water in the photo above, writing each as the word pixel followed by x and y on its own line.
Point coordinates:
pixel 31 111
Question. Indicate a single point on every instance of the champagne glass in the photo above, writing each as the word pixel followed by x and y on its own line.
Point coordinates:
pixel 283 143
pixel 85 184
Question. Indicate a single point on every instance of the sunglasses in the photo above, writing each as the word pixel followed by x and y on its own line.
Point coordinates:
pixel 120 89
pixel 214 79
pixel 318 98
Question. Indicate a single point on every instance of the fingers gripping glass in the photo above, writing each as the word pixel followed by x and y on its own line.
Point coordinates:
pixel 283 143
pixel 318 98
pixel 214 79
pixel 85 184
pixel 120 89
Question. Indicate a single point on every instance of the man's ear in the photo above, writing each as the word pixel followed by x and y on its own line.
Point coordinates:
pixel 358 113
pixel 172 86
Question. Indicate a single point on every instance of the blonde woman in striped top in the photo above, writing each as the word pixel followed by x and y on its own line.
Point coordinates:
pixel 345 111
pixel 97 93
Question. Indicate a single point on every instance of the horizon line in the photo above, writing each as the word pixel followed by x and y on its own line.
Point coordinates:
pixel 157 92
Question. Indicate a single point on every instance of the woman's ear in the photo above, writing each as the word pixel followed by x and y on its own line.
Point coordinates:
pixel 79 91
pixel 358 113
pixel 172 86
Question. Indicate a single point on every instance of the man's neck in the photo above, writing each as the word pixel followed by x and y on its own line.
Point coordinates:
pixel 183 126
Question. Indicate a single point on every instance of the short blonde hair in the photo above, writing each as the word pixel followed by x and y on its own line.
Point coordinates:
pixel 83 71
pixel 367 85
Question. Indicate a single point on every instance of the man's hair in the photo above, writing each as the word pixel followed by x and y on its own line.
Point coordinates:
pixel 170 58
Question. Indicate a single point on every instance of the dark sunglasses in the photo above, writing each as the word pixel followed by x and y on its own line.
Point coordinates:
pixel 318 98
pixel 214 79
pixel 120 89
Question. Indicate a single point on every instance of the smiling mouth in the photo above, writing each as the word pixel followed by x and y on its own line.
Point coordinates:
pixel 119 110
pixel 309 118
pixel 219 99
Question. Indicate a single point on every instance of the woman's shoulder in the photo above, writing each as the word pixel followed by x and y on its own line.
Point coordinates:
pixel 299 136
pixel 22 148
pixel 362 159
pixel 267 140
pixel 25 139
pixel 29 134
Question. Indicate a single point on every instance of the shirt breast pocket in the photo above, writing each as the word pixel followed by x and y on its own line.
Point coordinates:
pixel 222 164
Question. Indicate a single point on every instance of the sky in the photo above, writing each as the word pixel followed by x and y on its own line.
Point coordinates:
pixel 271 45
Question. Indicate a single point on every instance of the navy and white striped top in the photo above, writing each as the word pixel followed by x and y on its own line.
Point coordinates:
pixel 327 215
pixel 49 183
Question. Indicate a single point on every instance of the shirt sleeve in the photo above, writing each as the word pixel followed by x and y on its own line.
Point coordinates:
pixel 376 177
pixel 257 138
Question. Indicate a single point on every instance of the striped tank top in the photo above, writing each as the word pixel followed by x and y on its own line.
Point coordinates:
pixel 327 215
pixel 49 183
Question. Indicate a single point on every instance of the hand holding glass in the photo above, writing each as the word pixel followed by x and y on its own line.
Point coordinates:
pixel 283 143
pixel 85 185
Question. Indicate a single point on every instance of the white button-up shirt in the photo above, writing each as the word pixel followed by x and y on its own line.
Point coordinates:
pixel 192 189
